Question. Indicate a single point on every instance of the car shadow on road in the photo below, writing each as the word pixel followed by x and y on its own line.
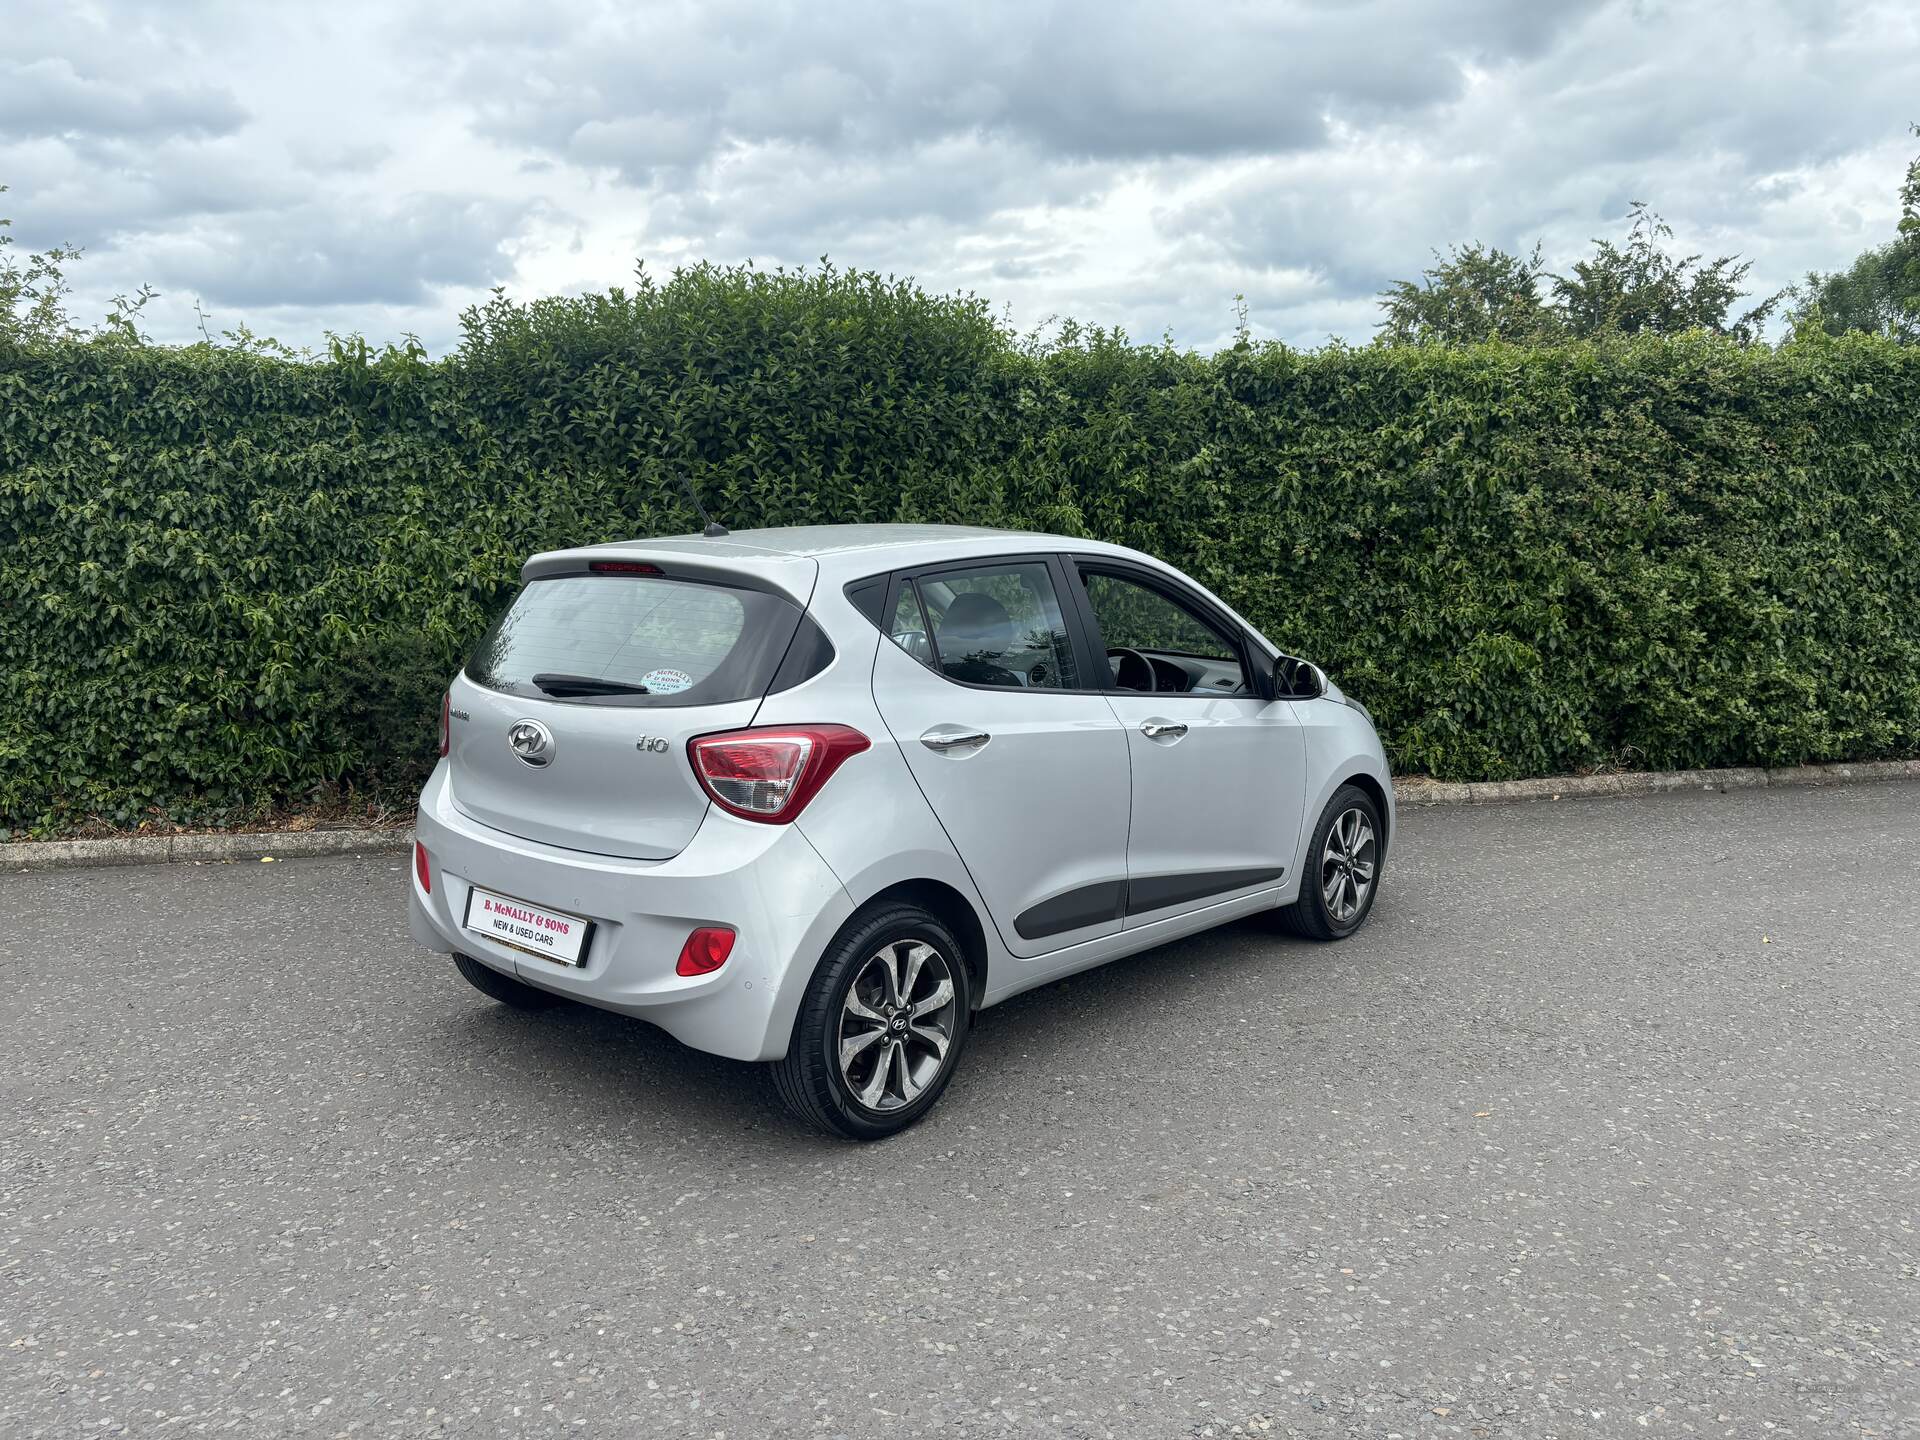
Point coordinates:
pixel 608 1068
pixel 617 1070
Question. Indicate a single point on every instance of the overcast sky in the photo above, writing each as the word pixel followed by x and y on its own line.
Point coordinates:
pixel 375 167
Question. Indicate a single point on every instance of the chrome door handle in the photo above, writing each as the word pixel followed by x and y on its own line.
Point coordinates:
pixel 943 741
pixel 1164 729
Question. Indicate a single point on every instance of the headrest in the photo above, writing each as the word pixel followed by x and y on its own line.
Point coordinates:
pixel 975 627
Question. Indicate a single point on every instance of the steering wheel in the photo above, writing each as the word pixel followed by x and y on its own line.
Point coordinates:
pixel 1140 667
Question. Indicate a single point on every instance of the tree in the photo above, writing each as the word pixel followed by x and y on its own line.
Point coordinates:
pixel 1639 289
pixel 1474 293
pixel 1480 293
pixel 33 296
pixel 1880 292
pixel 1872 295
pixel 1910 222
pixel 33 293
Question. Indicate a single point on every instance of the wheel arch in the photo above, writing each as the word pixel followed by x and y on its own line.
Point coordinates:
pixel 1383 802
pixel 954 910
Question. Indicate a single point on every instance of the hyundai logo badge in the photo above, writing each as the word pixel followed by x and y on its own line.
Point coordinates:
pixel 532 742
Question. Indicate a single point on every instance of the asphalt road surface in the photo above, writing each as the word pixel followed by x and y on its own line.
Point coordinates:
pixel 1608 1124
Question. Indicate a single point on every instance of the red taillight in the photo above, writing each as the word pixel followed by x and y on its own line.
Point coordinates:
pixel 770 774
pixel 623 567
pixel 420 867
pixel 446 722
pixel 706 951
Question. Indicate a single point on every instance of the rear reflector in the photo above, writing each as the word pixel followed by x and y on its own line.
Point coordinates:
pixel 770 774
pixel 623 567
pixel 706 951
pixel 420 867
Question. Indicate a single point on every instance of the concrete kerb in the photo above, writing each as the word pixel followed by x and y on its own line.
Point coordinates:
pixel 1420 791
pixel 170 849
pixel 1414 790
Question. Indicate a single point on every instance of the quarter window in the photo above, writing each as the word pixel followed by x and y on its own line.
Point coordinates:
pixel 909 627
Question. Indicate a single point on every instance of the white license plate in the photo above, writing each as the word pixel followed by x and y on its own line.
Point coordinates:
pixel 547 933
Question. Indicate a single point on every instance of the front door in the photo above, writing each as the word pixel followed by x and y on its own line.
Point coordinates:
pixel 1012 743
pixel 1218 771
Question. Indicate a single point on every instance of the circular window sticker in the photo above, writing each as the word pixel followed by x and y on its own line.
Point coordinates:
pixel 666 682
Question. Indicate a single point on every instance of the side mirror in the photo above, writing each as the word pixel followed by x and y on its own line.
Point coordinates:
pixel 1296 679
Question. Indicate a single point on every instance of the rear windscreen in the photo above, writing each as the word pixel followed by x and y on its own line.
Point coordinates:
pixel 675 642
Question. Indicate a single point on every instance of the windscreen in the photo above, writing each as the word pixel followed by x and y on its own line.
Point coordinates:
pixel 635 640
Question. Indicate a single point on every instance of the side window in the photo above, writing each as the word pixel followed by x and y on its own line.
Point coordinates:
pixel 1136 617
pixel 908 629
pixel 998 626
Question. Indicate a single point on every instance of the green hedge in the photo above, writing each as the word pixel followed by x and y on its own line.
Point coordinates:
pixel 229 580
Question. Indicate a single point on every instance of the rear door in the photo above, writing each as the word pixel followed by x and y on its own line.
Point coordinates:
pixel 1218 769
pixel 986 689
pixel 570 723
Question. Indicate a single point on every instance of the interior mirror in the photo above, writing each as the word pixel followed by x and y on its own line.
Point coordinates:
pixel 1297 679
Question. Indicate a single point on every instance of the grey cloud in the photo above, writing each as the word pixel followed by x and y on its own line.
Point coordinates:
pixel 796 131
pixel 1078 81
pixel 1762 82
pixel 1131 163
pixel 321 155
pixel 1697 119
pixel 174 182
pixel 638 145
pixel 47 97
pixel 780 198
pixel 319 255
pixel 90 193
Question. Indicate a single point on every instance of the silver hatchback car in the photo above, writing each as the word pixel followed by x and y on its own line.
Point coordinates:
pixel 813 796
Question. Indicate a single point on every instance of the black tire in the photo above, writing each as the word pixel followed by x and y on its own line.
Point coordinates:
pixel 1313 915
pixel 810 1080
pixel 504 988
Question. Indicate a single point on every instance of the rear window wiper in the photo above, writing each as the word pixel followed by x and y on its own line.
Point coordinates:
pixel 586 685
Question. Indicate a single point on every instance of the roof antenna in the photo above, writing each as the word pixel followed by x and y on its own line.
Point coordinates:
pixel 714 528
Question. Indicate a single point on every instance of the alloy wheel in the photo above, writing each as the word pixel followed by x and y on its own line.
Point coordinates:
pixel 897 1024
pixel 1347 865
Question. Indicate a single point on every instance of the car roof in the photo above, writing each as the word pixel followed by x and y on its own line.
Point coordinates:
pixel 794 558
pixel 818 540
pixel 845 551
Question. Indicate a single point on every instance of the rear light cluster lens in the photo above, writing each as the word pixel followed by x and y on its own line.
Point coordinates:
pixel 420 867
pixel 706 951
pixel 446 723
pixel 770 774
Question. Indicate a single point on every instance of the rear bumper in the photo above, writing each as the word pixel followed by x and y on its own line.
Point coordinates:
pixel 765 881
